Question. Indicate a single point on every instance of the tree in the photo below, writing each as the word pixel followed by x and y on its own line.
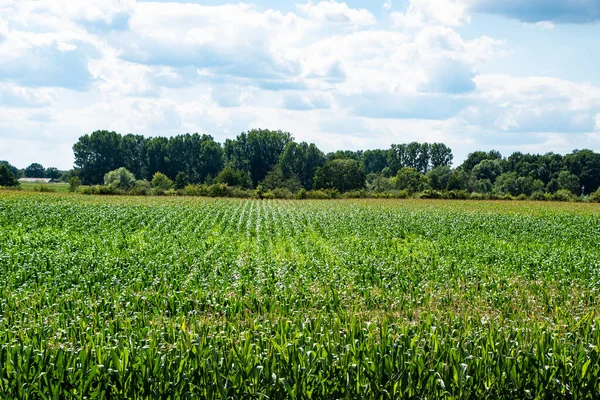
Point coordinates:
pixel 340 174
pixel 275 179
pixel 35 170
pixel 487 169
pixel 14 170
pixel 196 155
pixel 439 177
pixel 133 151
pixel 120 179
pixel 478 156
pixel 256 152
pixel 53 173
pixel 440 155
pixel 161 181
pixel 585 164
pixel 7 178
pixel 301 160
pixel 97 154
pixel 408 179
pixel 234 177
pixel 74 183
pixel 374 161
pixel 181 180
pixel 569 181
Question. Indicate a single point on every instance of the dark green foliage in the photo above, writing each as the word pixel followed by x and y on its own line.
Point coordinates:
pixel 256 152
pixel 181 180
pixel 301 160
pixel 35 170
pixel 340 174
pixel 14 170
pixel 53 173
pixel 74 183
pixel 7 178
pixel 374 161
pixel 234 177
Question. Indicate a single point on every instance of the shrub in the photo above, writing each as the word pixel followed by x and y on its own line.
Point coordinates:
pixel 161 181
pixel 563 195
pixel 595 197
pixel 356 194
pixel 74 183
pixel 43 189
pixel 140 188
pixel 195 190
pixel 430 194
pixel 283 193
pixel 521 197
pixel 478 196
pixel 101 190
pixel 119 179
pixel 456 195
pixel 538 196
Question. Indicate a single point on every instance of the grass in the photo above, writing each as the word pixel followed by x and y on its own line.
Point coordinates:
pixel 219 298
pixel 49 187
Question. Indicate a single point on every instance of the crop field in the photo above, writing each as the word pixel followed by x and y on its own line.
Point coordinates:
pixel 122 297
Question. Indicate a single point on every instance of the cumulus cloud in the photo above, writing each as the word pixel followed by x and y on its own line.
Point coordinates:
pixel 337 13
pixel 425 12
pixel 16 96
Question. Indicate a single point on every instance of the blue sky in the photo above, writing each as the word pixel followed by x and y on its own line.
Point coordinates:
pixel 475 74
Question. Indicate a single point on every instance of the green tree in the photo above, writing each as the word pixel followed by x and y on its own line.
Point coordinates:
pixel 53 173
pixel 14 170
pixel 478 156
pixel 7 178
pixel 585 164
pixel 408 179
pixel 256 152
pixel 275 179
pixel 35 170
pixel 97 154
pixel 301 160
pixel 487 169
pixel 234 177
pixel 374 161
pixel 133 151
pixel 161 181
pixel 439 177
pixel 341 174
pixel 74 183
pixel 440 155
pixel 181 180
pixel 120 179
pixel 569 181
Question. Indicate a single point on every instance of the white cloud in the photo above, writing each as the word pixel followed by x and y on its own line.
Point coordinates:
pixel 426 12
pixel 337 13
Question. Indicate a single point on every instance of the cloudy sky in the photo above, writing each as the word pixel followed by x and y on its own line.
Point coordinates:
pixel 474 74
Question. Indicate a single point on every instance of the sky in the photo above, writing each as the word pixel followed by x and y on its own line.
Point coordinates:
pixel 511 75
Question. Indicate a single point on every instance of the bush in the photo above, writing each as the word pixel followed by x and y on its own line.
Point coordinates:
pixel 595 197
pixel 140 188
pixel 356 194
pixel 101 190
pixel 563 195
pixel 195 190
pixel 430 194
pixel 283 193
pixel 538 196
pixel 119 179
pixel 478 196
pixel 521 197
pixel 74 183
pixel 456 195
pixel 161 181
pixel 322 194
pixel 43 189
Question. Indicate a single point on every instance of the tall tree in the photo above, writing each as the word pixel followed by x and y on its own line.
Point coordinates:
pixel 133 151
pixel 14 170
pixel 157 156
pixel 301 160
pixel 256 151
pixel 97 154
pixel 35 170
pixel 7 178
pixel 374 161
pixel 340 174
pixel 440 155
pixel 585 164
pixel 478 156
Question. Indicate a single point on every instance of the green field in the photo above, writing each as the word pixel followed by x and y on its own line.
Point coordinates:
pixel 218 298
pixel 49 187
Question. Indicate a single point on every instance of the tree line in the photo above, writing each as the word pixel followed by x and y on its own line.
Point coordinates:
pixel 269 160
